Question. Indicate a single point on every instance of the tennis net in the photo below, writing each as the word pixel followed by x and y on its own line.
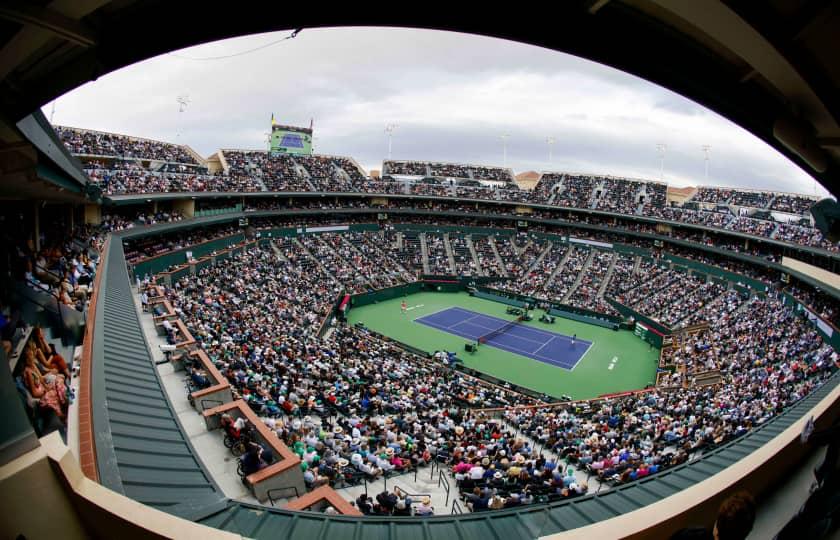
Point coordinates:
pixel 498 331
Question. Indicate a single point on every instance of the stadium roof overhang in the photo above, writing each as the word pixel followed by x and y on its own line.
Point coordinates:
pixel 768 66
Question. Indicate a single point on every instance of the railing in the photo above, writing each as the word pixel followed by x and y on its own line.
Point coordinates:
pixel 212 402
pixel 405 492
pixel 456 507
pixel 37 287
pixel 444 482
pixel 284 488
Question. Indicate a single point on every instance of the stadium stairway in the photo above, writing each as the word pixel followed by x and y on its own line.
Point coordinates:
pixel 579 278
pixel 424 249
pixel 556 189
pixel 492 241
pixel 278 251
pixel 450 257
pixel 474 255
pixel 593 197
pixel 328 246
pixel 541 256
pixel 303 173
pixel 383 252
pixel 581 474
pixel 607 277
pixel 775 230
pixel 315 259
pixel 637 264
pixel 559 267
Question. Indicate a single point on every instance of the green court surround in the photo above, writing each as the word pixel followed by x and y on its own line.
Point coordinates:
pixel 634 368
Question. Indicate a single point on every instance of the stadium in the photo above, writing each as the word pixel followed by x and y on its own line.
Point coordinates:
pixel 283 343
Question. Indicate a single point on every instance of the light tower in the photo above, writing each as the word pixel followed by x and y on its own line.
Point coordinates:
pixel 550 141
pixel 389 129
pixel 660 149
pixel 504 138
pixel 706 148
pixel 183 100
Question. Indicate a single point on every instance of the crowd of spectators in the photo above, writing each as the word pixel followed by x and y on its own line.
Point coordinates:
pixel 755 227
pixel 793 204
pixel 576 191
pixel 619 195
pixel 713 195
pixel 806 236
pixel 408 168
pixel 752 199
pixel 97 143
pixel 258 317
pixel 437 255
pixel 123 165
pixel 436 190
pixel 587 294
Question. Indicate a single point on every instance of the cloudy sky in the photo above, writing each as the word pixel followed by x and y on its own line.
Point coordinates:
pixel 451 95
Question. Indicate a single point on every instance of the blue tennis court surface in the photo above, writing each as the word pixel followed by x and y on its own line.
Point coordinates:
pixel 548 347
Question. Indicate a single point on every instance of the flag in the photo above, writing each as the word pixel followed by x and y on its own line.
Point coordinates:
pixel 273 121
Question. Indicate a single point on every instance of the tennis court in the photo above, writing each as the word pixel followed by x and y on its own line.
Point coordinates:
pixel 548 347
pixel 615 361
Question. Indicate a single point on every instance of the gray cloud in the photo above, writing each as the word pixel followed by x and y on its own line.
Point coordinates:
pixel 451 94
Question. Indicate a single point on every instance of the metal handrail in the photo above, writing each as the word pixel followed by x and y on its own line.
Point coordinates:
pixel 443 481
pixel 38 287
pixel 456 506
pixel 216 401
pixel 404 492
pixel 270 491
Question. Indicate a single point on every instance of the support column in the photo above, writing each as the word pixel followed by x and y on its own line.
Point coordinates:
pixel 93 214
pixel 36 216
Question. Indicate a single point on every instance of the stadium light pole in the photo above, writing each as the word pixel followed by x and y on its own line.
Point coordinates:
pixel 504 138
pixel 706 148
pixel 661 148
pixel 183 100
pixel 550 141
pixel 389 129
pixel 268 141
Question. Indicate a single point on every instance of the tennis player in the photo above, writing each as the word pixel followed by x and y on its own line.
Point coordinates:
pixel 574 338
pixel 404 307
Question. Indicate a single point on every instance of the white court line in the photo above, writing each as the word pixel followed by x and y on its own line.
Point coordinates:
pixel 430 314
pixel 538 331
pixel 581 357
pixel 508 348
pixel 543 345
pixel 468 320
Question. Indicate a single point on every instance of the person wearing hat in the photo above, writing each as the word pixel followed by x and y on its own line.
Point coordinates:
pixel 496 503
pixel 425 507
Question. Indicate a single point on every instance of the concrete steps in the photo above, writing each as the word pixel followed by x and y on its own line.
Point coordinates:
pixel 492 241
pixel 559 267
pixel 582 273
pixel 541 256
pixel 424 249
pixel 608 276
pixel 315 259
pixel 474 255
pixel 450 256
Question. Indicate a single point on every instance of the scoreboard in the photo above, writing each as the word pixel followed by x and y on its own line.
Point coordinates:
pixel 291 140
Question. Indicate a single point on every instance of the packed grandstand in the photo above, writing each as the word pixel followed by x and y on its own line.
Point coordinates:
pixel 257 315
